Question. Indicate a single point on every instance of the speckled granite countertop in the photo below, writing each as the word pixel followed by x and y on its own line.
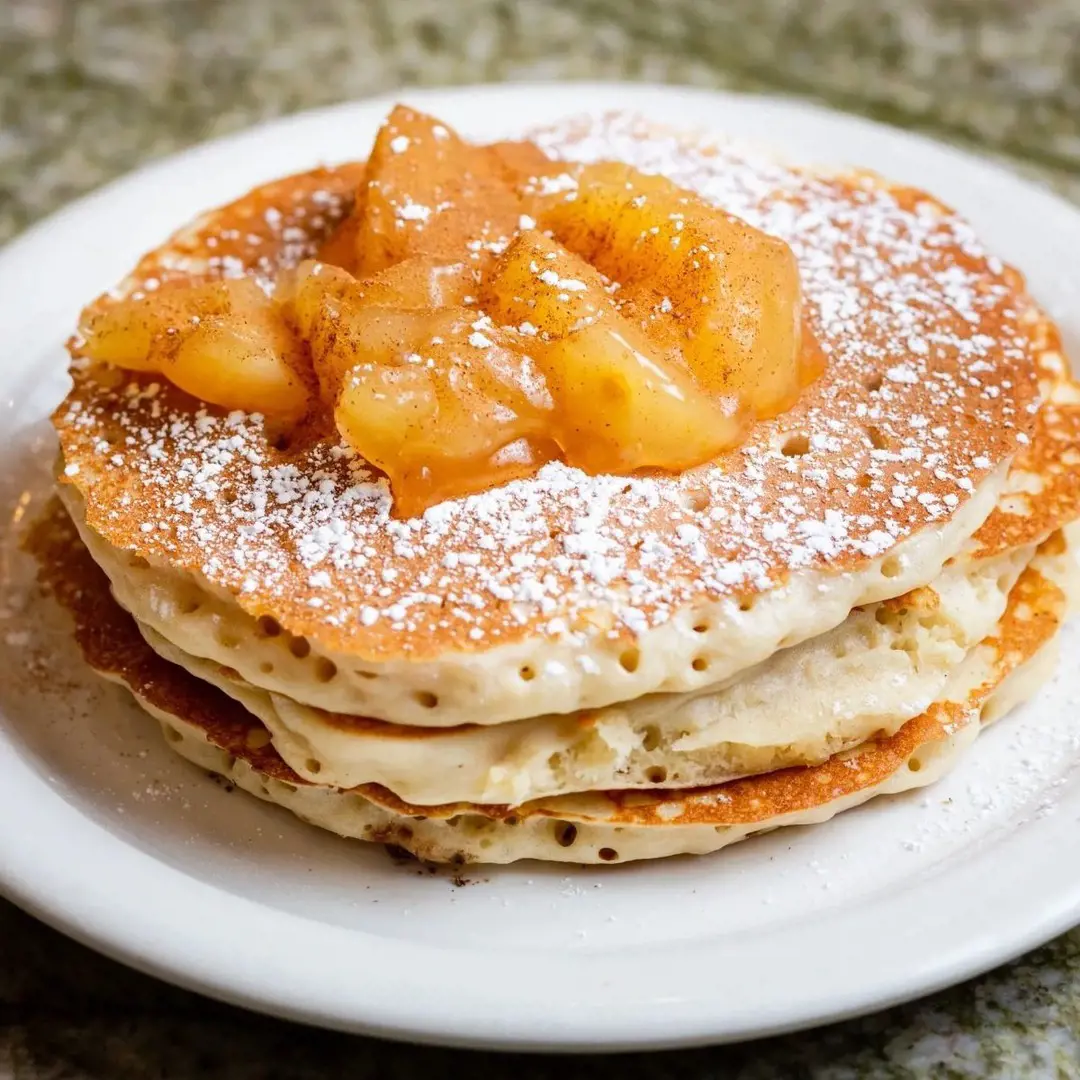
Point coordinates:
pixel 89 89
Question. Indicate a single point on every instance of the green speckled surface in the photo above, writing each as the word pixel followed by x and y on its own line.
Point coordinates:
pixel 90 89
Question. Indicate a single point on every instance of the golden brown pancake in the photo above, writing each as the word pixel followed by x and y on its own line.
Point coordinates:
pixel 929 387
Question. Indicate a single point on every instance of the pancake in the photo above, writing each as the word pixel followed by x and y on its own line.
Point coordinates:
pixel 882 665
pixel 215 732
pixel 566 591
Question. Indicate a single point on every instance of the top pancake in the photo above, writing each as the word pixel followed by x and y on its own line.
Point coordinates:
pixel 930 389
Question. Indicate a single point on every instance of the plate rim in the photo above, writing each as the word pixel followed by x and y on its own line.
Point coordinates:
pixel 587 1018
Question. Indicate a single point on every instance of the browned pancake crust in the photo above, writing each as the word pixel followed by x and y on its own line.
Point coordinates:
pixel 1052 456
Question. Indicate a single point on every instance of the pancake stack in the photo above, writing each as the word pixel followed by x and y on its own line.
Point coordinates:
pixel 597 669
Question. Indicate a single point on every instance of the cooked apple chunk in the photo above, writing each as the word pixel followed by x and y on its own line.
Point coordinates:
pixel 722 292
pixel 620 403
pixel 224 341
pixel 451 410
pixel 347 321
pixel 428 192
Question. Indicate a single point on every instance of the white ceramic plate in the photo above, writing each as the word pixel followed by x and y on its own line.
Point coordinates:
pixel 109 837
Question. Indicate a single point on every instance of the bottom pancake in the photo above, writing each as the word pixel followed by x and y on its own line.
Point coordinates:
pixel 605 827
pixel 215 732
